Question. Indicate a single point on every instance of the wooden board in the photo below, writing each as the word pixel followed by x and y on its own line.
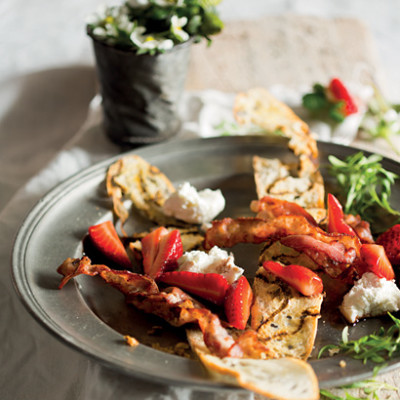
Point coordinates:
pixel 287 49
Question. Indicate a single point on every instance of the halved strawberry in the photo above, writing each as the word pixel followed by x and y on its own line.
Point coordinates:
pixel 238 300
pixel 340 93
pixel 390 240
pixel 161 249
pixel 211 286
pixel 374 259
pixel 336 222
pixel 300 278
pixel 106 240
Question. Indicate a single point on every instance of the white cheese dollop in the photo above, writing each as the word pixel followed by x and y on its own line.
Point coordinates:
pixel 370 296
pixel 187 204
pixel 215 261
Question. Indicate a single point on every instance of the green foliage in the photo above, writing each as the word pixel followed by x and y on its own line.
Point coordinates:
pixel 376 347
pixel 364 183
pixel 370 388
pixel 156 26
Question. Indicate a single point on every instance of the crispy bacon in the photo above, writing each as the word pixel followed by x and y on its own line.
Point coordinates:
pixel 269 207
pixel 318 251
pixel 228 232
pixel 361 228
pixel 171 304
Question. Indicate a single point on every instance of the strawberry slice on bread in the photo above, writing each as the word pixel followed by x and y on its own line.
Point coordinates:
pixel 307 282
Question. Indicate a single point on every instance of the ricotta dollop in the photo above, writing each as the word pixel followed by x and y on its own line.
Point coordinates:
pixel 215 261
pixel 370 296
pixel 195 207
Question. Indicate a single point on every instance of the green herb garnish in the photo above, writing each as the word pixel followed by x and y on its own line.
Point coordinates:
pixel 370 387
pixel 364 183
pixel 377 347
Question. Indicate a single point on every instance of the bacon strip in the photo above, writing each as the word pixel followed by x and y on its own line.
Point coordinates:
pixel 172 304
pixel 269 207
pixel 228 232
pixel 362 228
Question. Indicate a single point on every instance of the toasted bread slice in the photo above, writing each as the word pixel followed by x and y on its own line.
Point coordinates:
pixel 285 319
pixel 302 186
pixel 133 178
pixel 263 376
pixel 258 107
pixel 286 255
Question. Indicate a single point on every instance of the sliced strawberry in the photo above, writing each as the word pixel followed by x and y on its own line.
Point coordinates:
pixel 300 278
pixel 340 93
pixel 161 250
pixel 238 300
pixel 374 259
pixel 390 240
pixel 336 222
pixel 211 287
pixel 106 240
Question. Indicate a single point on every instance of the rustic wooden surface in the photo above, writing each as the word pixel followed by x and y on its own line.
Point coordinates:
pixel 292 51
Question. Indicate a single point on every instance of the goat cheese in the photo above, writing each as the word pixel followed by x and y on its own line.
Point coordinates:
pixel 370 296
pixel 215 261
pixel 187 204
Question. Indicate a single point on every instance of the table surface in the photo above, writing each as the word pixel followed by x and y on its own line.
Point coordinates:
pixel 41 108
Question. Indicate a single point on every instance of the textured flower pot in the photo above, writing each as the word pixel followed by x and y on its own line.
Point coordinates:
pixel 141 92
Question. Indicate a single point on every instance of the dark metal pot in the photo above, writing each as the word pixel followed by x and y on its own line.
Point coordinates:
pixel 141 92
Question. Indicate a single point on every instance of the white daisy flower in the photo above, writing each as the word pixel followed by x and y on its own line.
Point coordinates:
pixel 176 28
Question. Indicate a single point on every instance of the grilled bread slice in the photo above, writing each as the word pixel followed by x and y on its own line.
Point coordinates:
pixel 285 320
pixel 263 376
pixel 258 107
pixel 133 178
pixel 301 185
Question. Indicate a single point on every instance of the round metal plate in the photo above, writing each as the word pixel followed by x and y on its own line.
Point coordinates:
pixel 92 317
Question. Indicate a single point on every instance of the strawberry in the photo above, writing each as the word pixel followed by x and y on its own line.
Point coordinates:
pixel 161 250
pixel 374 259
pixel 211 286
pixel 300 278
pixel 336 222
pixel 390 240
pixel 339 92
pixel 106 240
pixel 238 301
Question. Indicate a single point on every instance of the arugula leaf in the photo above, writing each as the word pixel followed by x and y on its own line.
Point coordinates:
pixel 364 183
pixel 369 386
pixel 376 347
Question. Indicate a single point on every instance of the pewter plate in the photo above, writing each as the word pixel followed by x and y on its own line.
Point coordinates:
pixel 92 317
